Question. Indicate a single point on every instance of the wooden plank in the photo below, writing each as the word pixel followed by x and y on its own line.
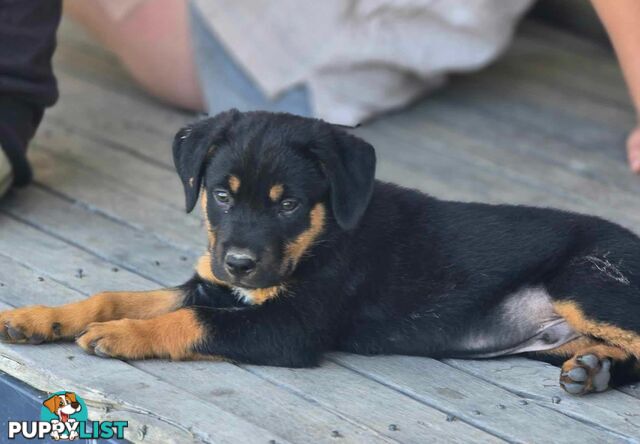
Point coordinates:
pixel 113 389
pixel 474 401
pixel 596 77
pixel 62 262
pixel 136 251
pixel 606 166
pixel 538 382
pixel 295 418
pixel 380 408
pixel 160 183
pixel 117 200
pixel 568 118
pixel 117 120
pixel 481 179
pixel 568 189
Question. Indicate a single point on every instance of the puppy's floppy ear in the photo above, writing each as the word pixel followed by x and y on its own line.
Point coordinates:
pixel 191 146
pixel 349 164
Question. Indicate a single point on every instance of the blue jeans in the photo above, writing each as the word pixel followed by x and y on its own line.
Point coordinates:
pixel 225 84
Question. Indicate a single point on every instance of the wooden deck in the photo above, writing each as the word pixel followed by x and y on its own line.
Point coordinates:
pixel 544 126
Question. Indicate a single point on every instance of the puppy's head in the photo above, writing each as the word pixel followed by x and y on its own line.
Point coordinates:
pixel 61 405
pixel 272 186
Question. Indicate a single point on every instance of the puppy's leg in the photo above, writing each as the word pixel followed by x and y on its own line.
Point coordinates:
pixel 266 335
pixel 598 294
pixel 35 324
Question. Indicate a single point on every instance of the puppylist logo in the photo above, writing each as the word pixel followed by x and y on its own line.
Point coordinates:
pixel 64 416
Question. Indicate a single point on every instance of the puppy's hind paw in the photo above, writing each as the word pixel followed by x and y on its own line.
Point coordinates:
pixel 585 374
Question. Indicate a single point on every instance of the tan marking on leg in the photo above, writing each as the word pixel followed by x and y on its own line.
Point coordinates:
pixel 66 321
pixel 611 334
pixel 572 347
pixel 234 183
pixel 173 335
pixel 276 191
pixel 296 249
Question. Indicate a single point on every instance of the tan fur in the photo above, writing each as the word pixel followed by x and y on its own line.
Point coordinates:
pixel 173 335
pixel 275 193
pixel 261 295
pixel 296 249
pixel 258 296
pixel 234 183
pixel 211 234
pixel 71 319
pixel 573 347
pixel 204 270
pixel 611 334
pixel 585 345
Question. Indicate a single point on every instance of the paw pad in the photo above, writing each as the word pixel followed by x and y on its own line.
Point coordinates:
pixel 586 373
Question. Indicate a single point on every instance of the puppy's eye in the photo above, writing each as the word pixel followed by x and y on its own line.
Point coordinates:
pixel 222 196
pixel 289 205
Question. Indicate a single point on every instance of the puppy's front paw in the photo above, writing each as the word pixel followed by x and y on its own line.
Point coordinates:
pixel 34 325
pixel 124 339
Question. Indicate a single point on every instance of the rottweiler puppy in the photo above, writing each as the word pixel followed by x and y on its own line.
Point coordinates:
pixel 307 253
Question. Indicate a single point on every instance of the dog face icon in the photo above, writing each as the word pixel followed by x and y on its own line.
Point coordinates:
pixel 63 406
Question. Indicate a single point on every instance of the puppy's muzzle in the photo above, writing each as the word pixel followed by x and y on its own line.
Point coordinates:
pixel 240 263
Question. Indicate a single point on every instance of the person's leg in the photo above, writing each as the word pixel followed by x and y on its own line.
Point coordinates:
pixel 27 84
pixel 153 41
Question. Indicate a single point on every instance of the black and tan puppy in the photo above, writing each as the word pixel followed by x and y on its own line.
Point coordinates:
pixel 308 253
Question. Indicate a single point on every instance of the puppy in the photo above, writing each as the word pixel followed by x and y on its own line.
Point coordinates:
pixel 308 253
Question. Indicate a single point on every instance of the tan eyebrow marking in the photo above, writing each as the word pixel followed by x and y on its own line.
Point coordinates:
pixel 276 192
pixel 296 249
pixel 234 183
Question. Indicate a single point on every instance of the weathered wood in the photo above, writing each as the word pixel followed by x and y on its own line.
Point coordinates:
pixel 538 382
pixel 160 183
pixel 474 401
pixel 117 200
pixel 137 251
pixel 62 261
pixel 268 405
pixel 381 408
pixel 117 120
pixel 531 178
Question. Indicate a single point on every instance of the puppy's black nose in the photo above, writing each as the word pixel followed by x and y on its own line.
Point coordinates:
pixel 240 263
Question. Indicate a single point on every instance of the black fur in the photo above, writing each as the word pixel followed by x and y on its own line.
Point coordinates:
pixel 393 270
